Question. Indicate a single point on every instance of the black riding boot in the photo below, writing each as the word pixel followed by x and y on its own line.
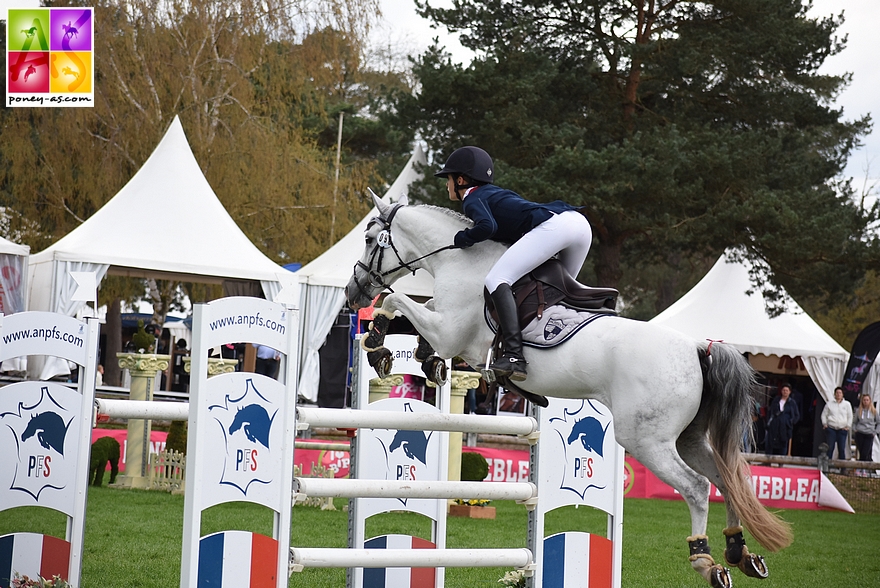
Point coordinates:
pixel 511 362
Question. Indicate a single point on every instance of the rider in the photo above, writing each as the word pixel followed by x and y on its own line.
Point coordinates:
pixel 535 232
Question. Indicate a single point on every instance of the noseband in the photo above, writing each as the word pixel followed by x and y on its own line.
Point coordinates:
pixel 384 242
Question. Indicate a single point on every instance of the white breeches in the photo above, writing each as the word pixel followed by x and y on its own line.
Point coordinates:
pixel 568 234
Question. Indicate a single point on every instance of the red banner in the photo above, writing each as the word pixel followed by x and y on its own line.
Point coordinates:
pixel 789 488
pixel 157 442
pixel 338 461
pixel 505 465
pixel 774 487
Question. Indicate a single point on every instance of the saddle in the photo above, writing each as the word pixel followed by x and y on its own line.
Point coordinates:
pixel 551 284
pixel 547 285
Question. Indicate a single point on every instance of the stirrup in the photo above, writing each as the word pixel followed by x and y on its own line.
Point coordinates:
pixel 511 367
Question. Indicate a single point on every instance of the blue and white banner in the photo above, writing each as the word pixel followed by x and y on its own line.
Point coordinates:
pixel 39 434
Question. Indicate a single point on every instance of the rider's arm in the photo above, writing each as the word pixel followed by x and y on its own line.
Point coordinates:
pixel 484 227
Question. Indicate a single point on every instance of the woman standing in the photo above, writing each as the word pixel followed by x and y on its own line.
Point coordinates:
pixel 837 416
pixel 866 425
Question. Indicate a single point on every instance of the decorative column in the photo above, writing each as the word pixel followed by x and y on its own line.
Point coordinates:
pixel 144 368
pixel 461 383
pixel 216 365
pixel 380 388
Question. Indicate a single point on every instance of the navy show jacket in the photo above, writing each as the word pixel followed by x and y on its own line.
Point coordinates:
pixel 503 215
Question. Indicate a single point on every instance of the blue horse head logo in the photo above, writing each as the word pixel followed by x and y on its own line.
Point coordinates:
pixel 590 433
pixel 255 422
pixel 50 430
pixel 414 444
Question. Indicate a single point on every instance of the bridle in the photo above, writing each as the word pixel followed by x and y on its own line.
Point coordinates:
pixel 383 243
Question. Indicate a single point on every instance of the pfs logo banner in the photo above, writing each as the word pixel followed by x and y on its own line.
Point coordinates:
pixel 49 57
pixel 581 433
pixel 248 434
pixel 39 428
pixel 403 455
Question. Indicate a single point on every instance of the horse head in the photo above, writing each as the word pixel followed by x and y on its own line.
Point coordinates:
pixel 49 429
pixel 398 241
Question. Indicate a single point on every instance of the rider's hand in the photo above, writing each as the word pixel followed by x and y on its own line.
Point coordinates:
pixel 461 241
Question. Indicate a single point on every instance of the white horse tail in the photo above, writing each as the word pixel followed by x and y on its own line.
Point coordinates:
pixel 728 389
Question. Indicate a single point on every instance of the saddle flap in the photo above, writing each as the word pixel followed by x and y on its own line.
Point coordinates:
pixel 550 284
pixel 575 294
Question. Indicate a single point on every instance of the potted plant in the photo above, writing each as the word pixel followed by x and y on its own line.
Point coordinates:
pixel 474 468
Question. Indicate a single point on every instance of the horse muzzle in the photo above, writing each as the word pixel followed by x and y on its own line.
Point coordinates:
pixel 356 295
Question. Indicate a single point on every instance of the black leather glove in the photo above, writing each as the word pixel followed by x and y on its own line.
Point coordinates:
pixel 461 240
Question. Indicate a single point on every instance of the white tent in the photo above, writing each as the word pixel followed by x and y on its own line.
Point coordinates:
pixel 198 241
pixel 323 282
pixel 13 287
pixel 720 308
pixel 13 276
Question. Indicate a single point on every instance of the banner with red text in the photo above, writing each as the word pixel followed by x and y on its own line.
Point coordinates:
pixel 157 442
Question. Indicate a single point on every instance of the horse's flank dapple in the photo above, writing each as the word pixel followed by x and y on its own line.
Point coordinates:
pixel 678 409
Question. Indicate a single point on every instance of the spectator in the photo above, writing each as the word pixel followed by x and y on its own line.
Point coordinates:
pixel 782 414
pixel 837 416
pixel 180 379
pixel 865 425
pixel 268 361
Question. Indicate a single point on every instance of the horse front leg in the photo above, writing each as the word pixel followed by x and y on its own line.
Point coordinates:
pixel 445 333
pixel 433 329
pixel 373 343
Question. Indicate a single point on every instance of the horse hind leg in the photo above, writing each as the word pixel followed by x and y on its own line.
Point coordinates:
pixel 666 463
pixel 697 453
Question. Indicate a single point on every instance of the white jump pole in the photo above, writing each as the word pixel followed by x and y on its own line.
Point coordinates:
pixel 328 557
pixel 143 409
pixel 465 423
pixel 342 488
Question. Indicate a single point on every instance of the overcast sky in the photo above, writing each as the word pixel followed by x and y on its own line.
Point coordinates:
pixel 402 26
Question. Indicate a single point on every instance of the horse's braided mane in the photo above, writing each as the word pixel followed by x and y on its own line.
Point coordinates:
pixel 450 213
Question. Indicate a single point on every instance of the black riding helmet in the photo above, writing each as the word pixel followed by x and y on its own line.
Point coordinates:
pixel 472 162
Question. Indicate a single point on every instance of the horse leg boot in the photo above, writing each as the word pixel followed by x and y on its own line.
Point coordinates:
pixel 378 356
pixel 737 554
pixel 511 364
pixel 702 561
pixel 433 367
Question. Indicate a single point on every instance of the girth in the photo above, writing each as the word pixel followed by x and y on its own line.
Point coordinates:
pixel 550 284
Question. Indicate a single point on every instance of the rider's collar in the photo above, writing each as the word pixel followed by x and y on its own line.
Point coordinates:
pixel 468 191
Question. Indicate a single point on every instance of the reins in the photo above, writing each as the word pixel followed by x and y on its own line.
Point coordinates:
pixel 383 242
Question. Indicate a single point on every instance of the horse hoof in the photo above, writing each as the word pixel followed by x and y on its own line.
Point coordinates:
pixel 438 371
pixel 381 361
pixel 719 577
pixel 754 566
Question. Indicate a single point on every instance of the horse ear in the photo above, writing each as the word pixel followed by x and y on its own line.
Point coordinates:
pixel 403 200
pixel 379 204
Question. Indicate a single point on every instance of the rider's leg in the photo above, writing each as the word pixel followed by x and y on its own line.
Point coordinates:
pixel 511 363
pixel 568 234
pixel 580 239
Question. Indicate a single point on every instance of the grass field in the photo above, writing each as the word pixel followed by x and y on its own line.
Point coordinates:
pixel 133 539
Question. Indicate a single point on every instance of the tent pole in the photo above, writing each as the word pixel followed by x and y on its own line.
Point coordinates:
pixel 336 182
